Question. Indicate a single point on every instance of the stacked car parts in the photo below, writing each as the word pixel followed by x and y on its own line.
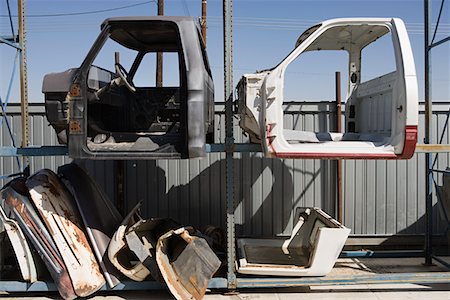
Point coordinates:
pixel 79 235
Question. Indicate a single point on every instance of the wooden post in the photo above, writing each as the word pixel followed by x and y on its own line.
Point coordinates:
pixel 159 55
pixel 203 21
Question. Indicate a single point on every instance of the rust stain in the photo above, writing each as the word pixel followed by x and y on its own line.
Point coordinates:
pixel 193 279
pixel 22 210
pixel 80 237
pixel 84 289
pixel 75 90
pixel 74 127
pixel 197 291
pixel 175 281
pixel 17 202
pixel 46 179
pixel 82 266
pixel 67 215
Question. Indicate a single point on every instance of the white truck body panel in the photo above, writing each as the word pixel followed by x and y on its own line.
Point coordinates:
pixel 381 114
pixel 312 249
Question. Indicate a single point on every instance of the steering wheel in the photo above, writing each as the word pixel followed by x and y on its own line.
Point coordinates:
pixel 123 74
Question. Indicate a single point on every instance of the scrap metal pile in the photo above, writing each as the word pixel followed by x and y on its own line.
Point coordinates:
pixel 66 222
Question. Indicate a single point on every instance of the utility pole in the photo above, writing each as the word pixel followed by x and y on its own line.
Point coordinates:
pixel 159 55
pixel 203 21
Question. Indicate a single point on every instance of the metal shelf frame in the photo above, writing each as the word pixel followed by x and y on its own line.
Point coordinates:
pixel 232 281
pixel 18 42
pixel 254 282
pixel 429 44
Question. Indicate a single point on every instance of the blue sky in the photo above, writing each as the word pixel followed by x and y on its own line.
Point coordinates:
pixel 264 32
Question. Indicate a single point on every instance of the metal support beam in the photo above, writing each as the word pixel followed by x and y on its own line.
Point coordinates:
pixel 440 42
pixel 429 44
pixel 427 140
pixel 442 262
pixel 210 148
pixel 229 140
pixel 254 282
pixel 382 254
pixel 339 161
pixel 7 41
pixel 23 73
pixel 386 278
pixel 241 147
pixel 34 151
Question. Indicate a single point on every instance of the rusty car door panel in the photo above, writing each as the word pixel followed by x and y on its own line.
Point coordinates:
pixel 99 215
pixel 55 205
pixel 15 196
pixel 20 246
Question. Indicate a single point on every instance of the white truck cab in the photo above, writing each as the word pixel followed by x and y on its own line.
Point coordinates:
pixel 381 114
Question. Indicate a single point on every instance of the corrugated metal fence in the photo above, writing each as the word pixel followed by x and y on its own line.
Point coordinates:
pixel 380 197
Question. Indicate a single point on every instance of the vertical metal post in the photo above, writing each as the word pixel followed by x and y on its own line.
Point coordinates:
pixel 428 140
pixel 339 162
pixel 203 21
pixel 229 140
pixel 23 74
pixel 159 55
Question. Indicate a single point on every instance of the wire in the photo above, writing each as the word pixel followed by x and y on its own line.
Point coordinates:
pixel 86 12
pixel 258 23
pixel 40 25
pixel 186 8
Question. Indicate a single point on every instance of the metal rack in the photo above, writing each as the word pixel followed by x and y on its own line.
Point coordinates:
pixel 232 281
pixel 17 42
pixel 429 163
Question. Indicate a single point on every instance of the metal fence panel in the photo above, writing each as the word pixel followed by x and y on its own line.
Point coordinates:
pixel 380 197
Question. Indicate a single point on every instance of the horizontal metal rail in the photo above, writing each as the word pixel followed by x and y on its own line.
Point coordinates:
pixel 384 278
pixel 63 150
pixel 42 286
pixel 237 147
pixel 382 254
pixel 254 282
pixel 210 148
pixel 34 151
